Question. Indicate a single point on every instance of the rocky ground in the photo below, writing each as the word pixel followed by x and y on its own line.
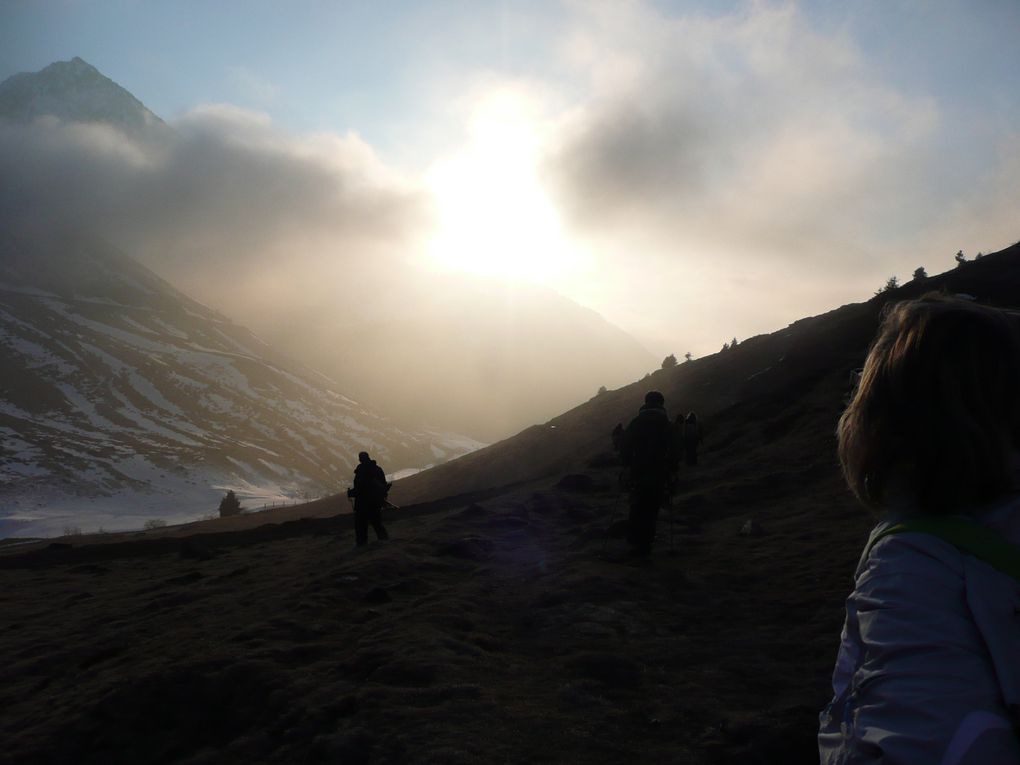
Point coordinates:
pixel 508 629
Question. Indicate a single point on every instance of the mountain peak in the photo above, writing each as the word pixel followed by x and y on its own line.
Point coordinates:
pixel 74 91
pixel 75 64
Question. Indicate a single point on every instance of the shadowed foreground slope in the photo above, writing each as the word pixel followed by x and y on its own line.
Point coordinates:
pixel 487 633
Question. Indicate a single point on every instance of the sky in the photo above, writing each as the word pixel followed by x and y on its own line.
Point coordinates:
pixel 693 171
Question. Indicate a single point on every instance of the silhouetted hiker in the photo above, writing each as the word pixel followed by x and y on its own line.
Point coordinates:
pixel 692 438
pixel 927 669
pixel 369 493
pixel 618 438
pixel 648 451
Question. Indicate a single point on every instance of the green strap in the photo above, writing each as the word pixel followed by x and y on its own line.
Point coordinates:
pixel 967 536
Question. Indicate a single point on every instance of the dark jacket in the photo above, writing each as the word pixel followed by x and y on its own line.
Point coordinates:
pixel 370 485
pixel 648 444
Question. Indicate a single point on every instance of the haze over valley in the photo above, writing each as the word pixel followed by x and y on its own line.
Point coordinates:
pixel 452 362
pixel 124 402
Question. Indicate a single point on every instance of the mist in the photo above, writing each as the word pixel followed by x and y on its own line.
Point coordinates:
pixel 223 201
pixel 763 165
pixel 316 245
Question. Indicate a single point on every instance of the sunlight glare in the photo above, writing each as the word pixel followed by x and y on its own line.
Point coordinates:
pixel 493 216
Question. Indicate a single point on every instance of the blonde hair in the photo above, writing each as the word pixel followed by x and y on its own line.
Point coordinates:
pixel 938 405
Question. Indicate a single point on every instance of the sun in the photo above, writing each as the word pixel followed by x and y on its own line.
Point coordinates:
pixel 493 216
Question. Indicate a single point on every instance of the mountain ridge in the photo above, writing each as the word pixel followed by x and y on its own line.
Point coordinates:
pixel 791 383
pixel 75 90
pixel 813 353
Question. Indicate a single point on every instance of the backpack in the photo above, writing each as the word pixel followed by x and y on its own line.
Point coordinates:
pixel 648 443
pixel 371 484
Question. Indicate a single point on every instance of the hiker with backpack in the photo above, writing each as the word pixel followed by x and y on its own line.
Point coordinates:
pixel 648 452
pixel 928 670
pixel 369 494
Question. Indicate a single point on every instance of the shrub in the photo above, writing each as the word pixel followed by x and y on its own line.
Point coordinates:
pixel 154 523
pixel 229 505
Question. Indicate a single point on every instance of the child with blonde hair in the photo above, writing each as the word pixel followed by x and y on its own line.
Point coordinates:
pixel 929 666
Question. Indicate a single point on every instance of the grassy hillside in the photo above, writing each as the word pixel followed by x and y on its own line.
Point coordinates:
pixel 774 399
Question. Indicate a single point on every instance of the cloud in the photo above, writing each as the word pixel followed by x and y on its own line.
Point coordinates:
pixel 223 198
pixel 752 129
pixel 759 163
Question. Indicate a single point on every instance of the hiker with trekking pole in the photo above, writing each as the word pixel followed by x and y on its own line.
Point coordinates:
pixel 367 497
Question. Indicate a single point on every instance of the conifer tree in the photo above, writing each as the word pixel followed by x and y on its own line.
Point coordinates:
pixel 890 284
pixel 229 505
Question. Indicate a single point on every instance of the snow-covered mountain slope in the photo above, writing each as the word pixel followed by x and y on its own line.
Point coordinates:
pixel 122 400
pixel 75 91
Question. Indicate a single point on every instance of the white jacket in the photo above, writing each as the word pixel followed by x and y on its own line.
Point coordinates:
pixel 929 666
